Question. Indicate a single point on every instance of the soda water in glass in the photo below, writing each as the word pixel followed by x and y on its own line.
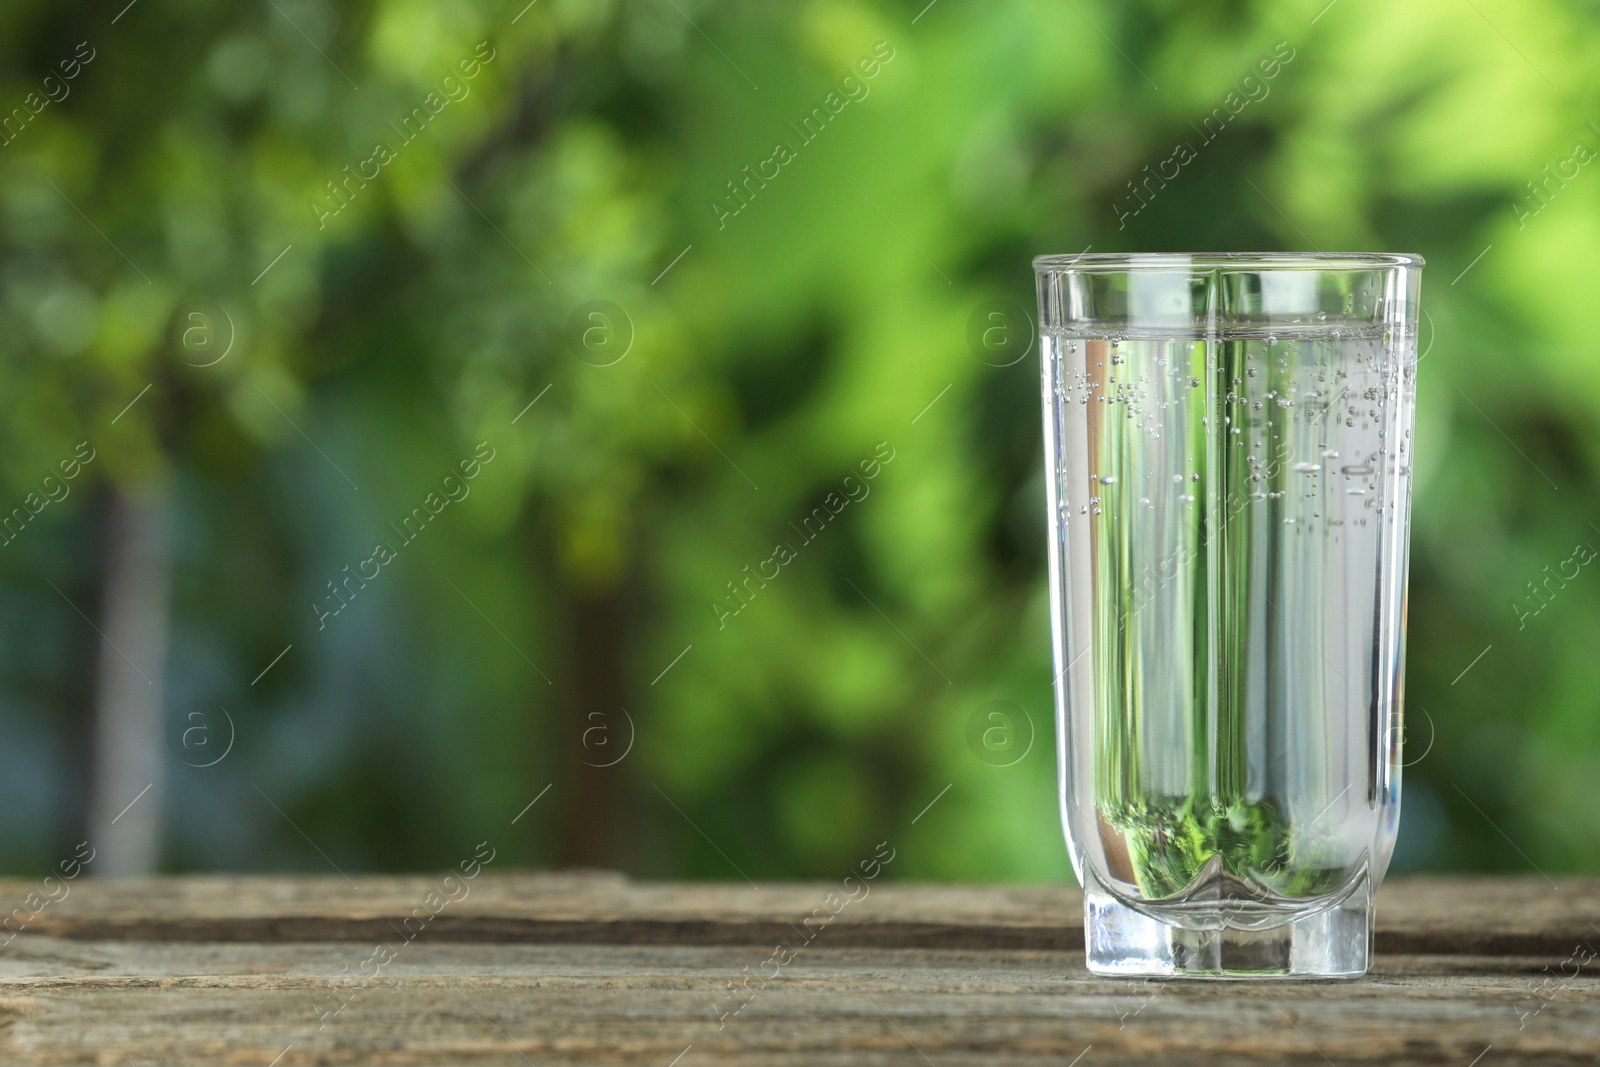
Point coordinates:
pixel 1228 442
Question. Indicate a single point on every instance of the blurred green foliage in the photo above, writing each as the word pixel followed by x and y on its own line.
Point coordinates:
pixel 378 345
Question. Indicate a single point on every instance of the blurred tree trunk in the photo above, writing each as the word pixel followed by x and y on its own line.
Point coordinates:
pixel 592 727
pixel 126 790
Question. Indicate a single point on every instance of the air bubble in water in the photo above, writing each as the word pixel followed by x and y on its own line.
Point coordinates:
pixel 1307 468
pixel 1356 470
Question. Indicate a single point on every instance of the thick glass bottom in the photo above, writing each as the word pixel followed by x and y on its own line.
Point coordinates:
pixel 1327 941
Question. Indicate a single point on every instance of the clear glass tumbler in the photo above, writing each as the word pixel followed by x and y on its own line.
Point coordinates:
pixel 1228 439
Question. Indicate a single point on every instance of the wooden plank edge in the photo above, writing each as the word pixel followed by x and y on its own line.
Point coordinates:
pixel 477 929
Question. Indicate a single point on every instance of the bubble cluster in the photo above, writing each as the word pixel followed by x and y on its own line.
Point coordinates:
pixel 1299 427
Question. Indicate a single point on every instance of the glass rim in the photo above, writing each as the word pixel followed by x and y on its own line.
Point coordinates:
pixel 1132 262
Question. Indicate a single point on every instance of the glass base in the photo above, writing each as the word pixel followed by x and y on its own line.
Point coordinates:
pixel 1333 941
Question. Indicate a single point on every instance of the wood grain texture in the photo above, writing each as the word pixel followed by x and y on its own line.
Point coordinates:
pixel 592 969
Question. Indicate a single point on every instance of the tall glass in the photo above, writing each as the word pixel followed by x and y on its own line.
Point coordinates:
pixel 1228 439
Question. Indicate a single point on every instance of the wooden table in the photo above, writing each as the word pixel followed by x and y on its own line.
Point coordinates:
pixel 590 968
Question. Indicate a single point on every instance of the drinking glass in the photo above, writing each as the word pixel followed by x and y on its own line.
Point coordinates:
pixel 1228 442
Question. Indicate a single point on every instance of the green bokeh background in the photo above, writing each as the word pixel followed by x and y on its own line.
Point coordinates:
pixel 762 368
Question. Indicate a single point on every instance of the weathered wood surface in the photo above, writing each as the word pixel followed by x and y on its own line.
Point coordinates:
pixel 591 969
